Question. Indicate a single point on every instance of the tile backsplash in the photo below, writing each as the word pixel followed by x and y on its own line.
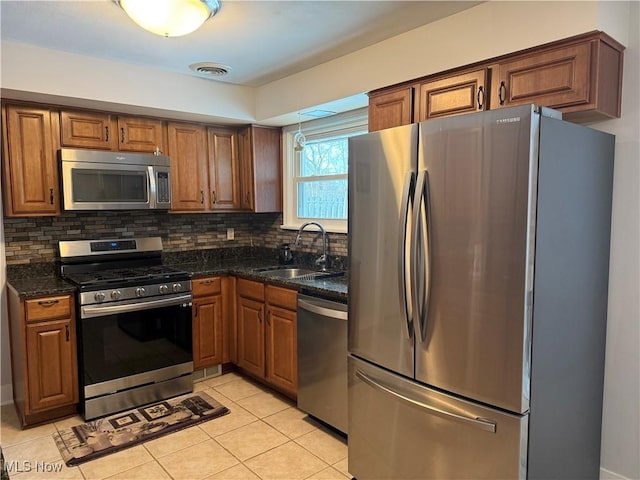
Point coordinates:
pixel 32 240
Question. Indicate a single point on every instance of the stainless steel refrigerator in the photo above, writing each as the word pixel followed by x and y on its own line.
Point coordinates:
pixel 479 252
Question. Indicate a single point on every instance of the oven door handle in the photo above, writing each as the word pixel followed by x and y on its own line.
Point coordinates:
pixel 100 311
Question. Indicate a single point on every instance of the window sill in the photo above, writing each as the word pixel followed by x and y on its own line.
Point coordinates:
pixel 312 228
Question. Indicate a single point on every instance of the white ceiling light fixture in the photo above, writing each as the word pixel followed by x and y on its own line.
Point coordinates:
pixel 298 139
pixel 170 18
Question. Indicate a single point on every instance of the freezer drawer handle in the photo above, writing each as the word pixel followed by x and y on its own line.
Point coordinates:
pixel 478 422
pixel 326 312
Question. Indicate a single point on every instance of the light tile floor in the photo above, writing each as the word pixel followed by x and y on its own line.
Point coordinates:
pixel 264 437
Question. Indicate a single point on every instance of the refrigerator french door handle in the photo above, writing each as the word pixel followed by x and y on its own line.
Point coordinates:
pixel 481 423
pixel 407 193
pixel 421 250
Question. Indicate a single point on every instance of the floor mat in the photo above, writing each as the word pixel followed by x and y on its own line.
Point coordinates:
pixel 106 435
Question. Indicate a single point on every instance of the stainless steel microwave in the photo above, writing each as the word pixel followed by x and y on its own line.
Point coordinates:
pixel 95 180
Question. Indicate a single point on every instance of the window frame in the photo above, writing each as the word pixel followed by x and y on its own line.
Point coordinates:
pixel 328 127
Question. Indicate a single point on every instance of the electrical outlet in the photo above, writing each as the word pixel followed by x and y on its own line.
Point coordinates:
pixel 230 233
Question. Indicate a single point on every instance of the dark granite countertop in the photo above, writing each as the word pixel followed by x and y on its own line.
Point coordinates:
pixel 36 280
pixel 32 287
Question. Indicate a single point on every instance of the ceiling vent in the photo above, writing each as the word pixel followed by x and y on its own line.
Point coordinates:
pixel 210 69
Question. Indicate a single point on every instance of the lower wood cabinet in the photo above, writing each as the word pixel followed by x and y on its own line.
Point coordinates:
pixel 212 317
pixel 43 357
pixel 266 334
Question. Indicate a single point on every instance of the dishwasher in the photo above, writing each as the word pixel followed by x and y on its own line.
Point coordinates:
pixel 322 360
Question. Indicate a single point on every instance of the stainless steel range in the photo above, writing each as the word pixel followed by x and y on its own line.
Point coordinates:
pixel 134 323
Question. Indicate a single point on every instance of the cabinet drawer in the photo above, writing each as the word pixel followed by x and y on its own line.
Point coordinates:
pixel 283 297
pixel 48 308
pixel 250 289
pixel 205 286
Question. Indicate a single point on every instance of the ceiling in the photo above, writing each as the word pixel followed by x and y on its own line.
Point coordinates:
pixel 261 41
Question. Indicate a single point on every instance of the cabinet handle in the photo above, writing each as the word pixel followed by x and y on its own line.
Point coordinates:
pixel 502 97
pixel 268 319
pixel 66 328
pixel 51 196
pixel 213 194
pixel 480 98
pixel 202 197
pixel 48 303
pixel 106 134
pixel 247 197
pixel 207 282
pixel 122 135
pixel 260 316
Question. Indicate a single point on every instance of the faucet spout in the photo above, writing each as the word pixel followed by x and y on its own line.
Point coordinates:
pixel 322 260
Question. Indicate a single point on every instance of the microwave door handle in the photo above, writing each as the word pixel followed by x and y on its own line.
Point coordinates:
pixel 151 184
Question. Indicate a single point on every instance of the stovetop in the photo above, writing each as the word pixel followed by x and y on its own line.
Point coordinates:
pixel 126 276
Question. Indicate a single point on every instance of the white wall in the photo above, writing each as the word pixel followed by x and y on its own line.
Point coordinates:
pixel 621 422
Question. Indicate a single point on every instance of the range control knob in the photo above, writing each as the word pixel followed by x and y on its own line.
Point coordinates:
pixel 176 287
pixel 163 289
pixel 116 294
pixel 140 291
pixel 99 296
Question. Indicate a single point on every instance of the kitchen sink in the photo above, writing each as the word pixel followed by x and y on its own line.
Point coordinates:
pixel 297 273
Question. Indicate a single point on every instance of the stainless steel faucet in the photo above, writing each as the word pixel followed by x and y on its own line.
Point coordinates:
pixel 322 260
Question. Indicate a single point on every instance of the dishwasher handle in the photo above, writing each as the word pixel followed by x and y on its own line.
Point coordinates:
pixel 320 310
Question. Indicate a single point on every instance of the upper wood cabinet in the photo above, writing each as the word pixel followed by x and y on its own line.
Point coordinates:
pixel 87 130
pixel 580 76
pixel 188 152
pixel 453 95
pixel 390 108
pixel 224 170
pixel 30 177
pixel 260 154
pixel 84 129
pixel 582 79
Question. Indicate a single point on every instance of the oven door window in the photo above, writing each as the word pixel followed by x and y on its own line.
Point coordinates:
pixel 109 186
pixel 124 344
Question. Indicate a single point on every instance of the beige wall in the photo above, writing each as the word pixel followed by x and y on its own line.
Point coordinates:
pixel 485 31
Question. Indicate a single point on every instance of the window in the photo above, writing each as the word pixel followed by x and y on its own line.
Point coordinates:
pixel 316 179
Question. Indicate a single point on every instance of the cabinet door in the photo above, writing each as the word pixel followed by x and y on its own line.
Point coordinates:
pixel 390 109
pixel 250 335
pixel 558 77
pixel 87 130
pixel 30 167
pixel 245 153
pixel 464 93
pixel 189 185
pixel 224 172
pixel 140 135
pixel 260 156
pixel 207 331
pixel 281 348
pixel 51 364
